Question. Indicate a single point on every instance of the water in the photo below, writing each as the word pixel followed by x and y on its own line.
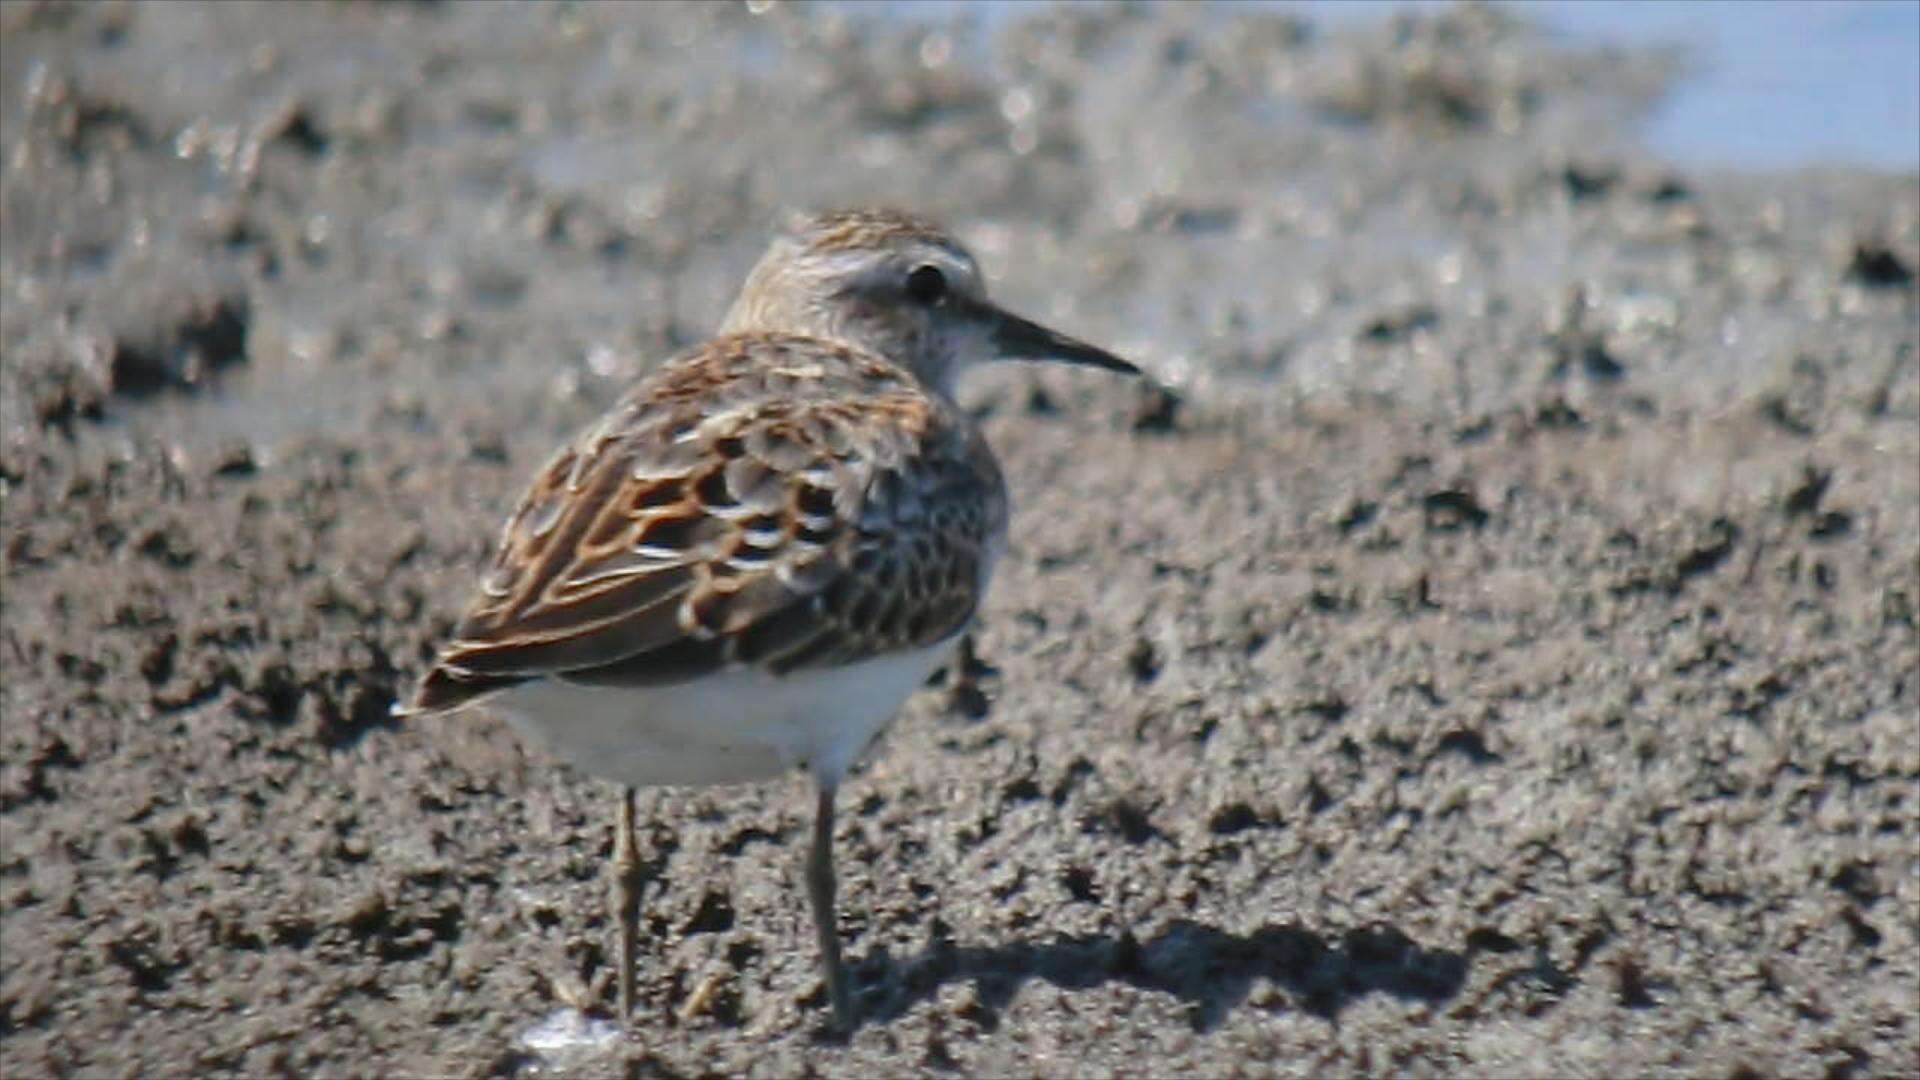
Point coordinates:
pixel 1772 84
pixel 1775 84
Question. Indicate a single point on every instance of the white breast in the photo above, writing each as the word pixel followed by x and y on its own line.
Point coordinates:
pixel 734 726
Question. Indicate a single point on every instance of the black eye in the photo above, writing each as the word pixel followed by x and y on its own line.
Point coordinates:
pixel 926 285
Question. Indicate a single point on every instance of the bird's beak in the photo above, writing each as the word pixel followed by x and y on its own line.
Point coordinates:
pixel 1015 338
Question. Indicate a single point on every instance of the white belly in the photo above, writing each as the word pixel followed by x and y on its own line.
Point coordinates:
pixel 735 726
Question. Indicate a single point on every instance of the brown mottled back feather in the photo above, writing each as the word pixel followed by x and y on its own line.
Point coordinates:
pixel 764 499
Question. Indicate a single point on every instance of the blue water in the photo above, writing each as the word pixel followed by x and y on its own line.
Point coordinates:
pixel 1771 83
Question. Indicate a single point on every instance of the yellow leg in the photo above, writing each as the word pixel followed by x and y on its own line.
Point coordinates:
pixel 626 898
pixel 820 889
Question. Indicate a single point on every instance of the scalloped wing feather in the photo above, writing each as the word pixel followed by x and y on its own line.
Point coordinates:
pixel 784 502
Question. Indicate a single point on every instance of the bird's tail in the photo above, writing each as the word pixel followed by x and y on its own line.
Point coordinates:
pixel 447 689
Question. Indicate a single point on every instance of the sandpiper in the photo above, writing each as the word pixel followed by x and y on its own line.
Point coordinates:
pixel 752 560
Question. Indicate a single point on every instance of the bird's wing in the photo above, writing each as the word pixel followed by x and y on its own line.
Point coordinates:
pixel 778 502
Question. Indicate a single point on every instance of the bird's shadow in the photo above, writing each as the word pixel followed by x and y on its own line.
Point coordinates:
pixel 1209 969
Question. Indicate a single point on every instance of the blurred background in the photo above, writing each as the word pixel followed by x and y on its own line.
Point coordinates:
pixel 1496 657
pixel 616 173
pixel 1250 183
pixel 1772 84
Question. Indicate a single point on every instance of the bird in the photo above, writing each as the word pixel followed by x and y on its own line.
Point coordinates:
pixel 769 542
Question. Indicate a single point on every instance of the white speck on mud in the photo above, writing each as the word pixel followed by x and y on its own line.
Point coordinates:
pixel 567 1036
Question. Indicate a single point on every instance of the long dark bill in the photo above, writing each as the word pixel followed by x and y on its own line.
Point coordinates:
pixel 1019 339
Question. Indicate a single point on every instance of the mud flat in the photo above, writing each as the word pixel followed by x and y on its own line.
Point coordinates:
pixel 1500 659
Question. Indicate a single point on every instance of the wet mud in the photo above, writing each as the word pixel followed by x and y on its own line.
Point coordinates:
pixel 1493 652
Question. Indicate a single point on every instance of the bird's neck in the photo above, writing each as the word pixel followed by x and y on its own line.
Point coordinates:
pixel 767 315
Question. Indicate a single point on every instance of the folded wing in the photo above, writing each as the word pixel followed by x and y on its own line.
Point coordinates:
pixel 779 502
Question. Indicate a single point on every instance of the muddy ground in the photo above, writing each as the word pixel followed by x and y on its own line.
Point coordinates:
pixel 1499 659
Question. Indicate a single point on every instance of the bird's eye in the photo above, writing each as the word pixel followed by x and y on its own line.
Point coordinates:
pixel 926 285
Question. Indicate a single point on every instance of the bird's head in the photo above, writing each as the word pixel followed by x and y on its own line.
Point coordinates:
pixel 901 287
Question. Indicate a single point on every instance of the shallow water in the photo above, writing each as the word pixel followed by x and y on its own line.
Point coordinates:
pixel 1770 85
